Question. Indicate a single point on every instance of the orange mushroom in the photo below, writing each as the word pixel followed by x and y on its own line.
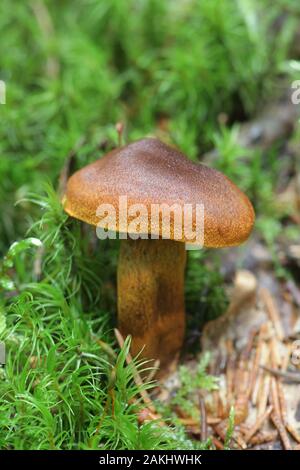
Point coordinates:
pixel 151 266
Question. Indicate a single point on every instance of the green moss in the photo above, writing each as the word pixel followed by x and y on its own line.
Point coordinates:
pixel 71 73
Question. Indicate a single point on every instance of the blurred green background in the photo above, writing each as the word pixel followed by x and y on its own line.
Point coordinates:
pixel 74 70
pixel 189 72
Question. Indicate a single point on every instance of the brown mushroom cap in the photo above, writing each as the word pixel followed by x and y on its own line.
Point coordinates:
pixel 151 172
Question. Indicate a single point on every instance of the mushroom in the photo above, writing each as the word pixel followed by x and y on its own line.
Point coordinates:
pixel 150 278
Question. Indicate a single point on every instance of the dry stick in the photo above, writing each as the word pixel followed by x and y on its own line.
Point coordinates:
pixel 194 422
pixel 241 405
pixel 217 443
pixel 221 429
pixel 249 345
pixel 260 375
pixel 242 380
pixel 203 418
pixel 230 368
pixel 272 312
pixel 282 402
pixel 239 376
pixel 258 352
pixel 229 386
pixel 295 291
pixel 277 399
pixel 295 435
pixel 244 428
pixel 212 420
pixel 136 376
pixel 275 357
pixel 264 395
pixel 286 358
pixel 282 431
pixel 263 437
pixel 274 399
pixel 260 437
pixel 153 371
pixel 247 365
pixel 106 348
pixel 146 415
pixel 290 376
pixel 289 427
pixel 257 425
pixel 222 412
pixel 257 386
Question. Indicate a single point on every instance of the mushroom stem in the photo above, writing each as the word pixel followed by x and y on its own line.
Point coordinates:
pixel 151 297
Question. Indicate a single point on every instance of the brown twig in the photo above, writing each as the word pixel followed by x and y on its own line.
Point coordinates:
pixel 264 357
pixel 257 387
pixel 274 398
pixel 257 358
pixel 253 381
pixel 243 379
pixel 295 435
pixel 272 312
pixel 257 425
pixel 241 408
pixel 263 437
pixel 221 429
pixel 281 430
pixel 230 368
pixel 286 358
pixel 106 348
pixel 249 346
pixel 146 415
pixel 263 395
pixel 290 376
pixel 282 402
pixel 194 422
pixel 218 444
pixel 153 371
pixel 274 395
pixel 276 360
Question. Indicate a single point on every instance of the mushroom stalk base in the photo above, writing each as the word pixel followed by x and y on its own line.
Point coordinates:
pixel 151 297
